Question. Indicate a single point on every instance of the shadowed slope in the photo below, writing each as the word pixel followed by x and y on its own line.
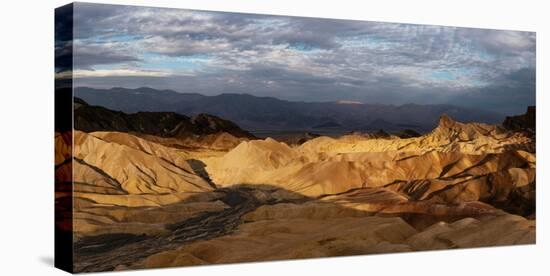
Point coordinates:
pixel 165 124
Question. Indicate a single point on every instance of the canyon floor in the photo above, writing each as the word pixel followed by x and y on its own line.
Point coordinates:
pixel 144 201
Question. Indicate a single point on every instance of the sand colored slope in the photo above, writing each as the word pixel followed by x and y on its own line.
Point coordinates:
pixel 293 239
pixel 261 154
pixel 88 179
pixel 449 135
pixel 455 163
pixel 365 202
pixel 222 141
pixel 498 230
pixel 339 173
pixel 312 238
pixel 140 167
pixel 176 156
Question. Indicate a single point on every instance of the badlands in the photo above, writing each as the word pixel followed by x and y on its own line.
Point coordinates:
pixel 145 199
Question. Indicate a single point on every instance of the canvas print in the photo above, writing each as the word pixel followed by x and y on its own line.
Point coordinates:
pixel 188 137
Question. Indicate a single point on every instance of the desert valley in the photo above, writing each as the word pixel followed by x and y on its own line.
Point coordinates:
pixel 159 188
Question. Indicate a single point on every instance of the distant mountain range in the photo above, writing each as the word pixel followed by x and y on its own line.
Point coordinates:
pixel 267 113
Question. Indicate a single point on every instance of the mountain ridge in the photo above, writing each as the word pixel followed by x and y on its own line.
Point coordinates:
pixel 252 112
pixel 89 118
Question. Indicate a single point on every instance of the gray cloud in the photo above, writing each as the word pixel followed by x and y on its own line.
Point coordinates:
pixel 88 55
pixel 306 59
pixel 510 95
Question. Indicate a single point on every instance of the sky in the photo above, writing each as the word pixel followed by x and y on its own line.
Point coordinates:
pixel 301 59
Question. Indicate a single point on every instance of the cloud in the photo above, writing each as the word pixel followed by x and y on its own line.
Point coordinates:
pixel 86 55
pixel 63 38
pixel 302 58
pixel 511 95
pixel 186 46
pixel 119 73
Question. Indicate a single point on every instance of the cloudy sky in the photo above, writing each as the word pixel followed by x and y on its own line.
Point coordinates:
pixel 306 59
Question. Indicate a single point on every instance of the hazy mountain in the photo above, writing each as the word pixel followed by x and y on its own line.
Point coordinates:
pixel 252 113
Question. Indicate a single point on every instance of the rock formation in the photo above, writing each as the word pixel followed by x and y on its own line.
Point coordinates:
pixel 525 122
